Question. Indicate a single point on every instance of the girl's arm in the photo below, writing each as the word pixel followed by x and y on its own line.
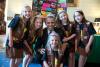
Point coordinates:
pixel 69 38
pixel 10 38
pixel 45 64
pixel 26 44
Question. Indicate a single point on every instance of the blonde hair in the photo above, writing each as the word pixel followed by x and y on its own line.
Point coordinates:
pixel 25 7
pixel 51 36
pixel 39 32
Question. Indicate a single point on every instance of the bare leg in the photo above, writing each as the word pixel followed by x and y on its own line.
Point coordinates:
pixel 29 60
pixel 71 59
pixel 18 61
pixel 12 62
pixel 26 60
pixel 61 65
pixel 82 61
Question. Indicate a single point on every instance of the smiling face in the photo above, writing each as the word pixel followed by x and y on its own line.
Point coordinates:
pixel 50 22
pixel 54 42
pixel 78 17
pixel 63 16
pixel 27 12
pixel 38 23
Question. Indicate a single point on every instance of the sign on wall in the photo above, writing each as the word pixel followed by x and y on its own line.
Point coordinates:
pixel 48 6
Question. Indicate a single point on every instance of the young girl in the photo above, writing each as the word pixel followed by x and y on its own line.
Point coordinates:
pixel 53 53
pixel 27 17
pixel 69 29
pixel 16 37
pixel 85 34
pixel 35 31
pixel 38 24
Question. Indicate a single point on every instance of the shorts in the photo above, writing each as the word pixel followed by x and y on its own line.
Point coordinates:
pixel 16 51
pixel 12 52
pixel 72 49
pixel 81 50
pixel 72 46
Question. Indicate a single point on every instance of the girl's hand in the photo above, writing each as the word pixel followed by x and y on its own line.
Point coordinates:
pixel 45 64
pixel 42 50
pixel 10 38
pixel 10 44
pixel 65 39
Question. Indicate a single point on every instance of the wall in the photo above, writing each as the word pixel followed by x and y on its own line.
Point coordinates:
pixel 89 7
pixel 15 6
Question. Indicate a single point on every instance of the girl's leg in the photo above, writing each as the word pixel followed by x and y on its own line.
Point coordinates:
pixel 12 62
pixel 82 61
pixel 61 65
pixel 25 59
pixel 29 60
pixel 18 61
pixel 71 59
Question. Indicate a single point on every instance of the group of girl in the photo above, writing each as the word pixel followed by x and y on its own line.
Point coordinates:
pixel 53 46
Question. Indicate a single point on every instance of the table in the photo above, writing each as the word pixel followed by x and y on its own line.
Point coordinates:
pixel 94 56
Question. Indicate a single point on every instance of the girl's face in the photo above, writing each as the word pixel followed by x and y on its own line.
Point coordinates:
pixel 50 23
pixel 54 42
pixel 63 16
pixel 78 17
pixel 27 13
pixel 38 23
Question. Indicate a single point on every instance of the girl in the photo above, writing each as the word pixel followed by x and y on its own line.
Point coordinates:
pixel 85 34
pixel 38 24
pixel 53 53
pixel 27 17
pixel 16 37
pixel 35 31
pixel 69 29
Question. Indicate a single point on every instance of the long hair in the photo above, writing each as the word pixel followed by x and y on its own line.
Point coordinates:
pixel 50 37
pixel 59 22
pixel 81 12
pixel 39 31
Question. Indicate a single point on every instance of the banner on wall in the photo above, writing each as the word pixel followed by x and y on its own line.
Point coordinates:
pixel 49 6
